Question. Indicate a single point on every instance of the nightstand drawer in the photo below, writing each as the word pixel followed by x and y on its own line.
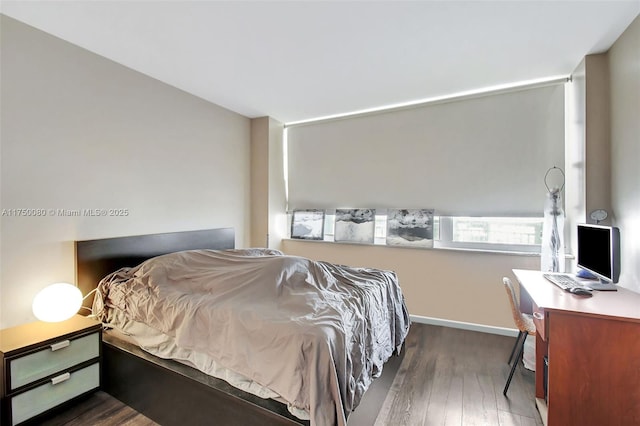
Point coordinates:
pixel 38 400
pixel 54 358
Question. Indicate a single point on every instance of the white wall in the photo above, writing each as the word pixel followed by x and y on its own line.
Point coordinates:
pixel 624 69
pixel 82 132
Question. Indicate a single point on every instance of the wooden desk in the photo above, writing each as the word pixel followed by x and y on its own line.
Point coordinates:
pixel 593 351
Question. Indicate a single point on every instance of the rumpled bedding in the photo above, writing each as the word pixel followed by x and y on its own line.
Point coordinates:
pixel 315 333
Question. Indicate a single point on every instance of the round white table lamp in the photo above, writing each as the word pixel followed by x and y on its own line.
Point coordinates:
pixel 57 302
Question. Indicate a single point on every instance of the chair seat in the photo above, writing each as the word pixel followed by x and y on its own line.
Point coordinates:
pixel 528 326
pixel 525 325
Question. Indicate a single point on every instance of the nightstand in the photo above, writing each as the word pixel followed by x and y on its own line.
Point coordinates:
pixel 45 365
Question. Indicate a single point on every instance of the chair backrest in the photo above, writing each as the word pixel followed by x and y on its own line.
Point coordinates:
pixel 515 305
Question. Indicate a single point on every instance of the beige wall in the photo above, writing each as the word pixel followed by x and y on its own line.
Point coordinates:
pixel 82 132
pixel 268 199
pixel 597 134
pixel 624 68
pixel 603 144
pixel 454 285
pixel 259 182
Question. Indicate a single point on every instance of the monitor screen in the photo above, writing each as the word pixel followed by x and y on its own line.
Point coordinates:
pixel 599 251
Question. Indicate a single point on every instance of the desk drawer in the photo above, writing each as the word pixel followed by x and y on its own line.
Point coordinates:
pixel 67 386
pixel 52 359
pixel 540 320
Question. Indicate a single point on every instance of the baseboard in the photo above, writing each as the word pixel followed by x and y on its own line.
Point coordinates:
pixel 465 325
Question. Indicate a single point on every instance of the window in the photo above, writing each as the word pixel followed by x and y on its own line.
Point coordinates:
pixel 432 154
pixel 491 233
pixel 516 234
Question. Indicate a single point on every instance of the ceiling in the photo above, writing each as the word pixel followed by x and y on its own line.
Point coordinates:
pixel 297 60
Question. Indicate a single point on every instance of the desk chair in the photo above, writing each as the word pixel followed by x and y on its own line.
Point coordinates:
pixel 525 325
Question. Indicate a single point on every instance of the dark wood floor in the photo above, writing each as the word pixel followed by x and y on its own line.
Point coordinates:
pixel 447 377
pixel 456 377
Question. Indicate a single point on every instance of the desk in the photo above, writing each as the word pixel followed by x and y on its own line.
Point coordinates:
pixel 593 350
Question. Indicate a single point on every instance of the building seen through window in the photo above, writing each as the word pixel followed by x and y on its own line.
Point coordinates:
pixel 483 233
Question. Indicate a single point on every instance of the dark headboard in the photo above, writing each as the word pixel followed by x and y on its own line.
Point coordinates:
pixel 97 258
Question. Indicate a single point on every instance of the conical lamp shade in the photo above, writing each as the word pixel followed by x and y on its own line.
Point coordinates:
pixel 57 302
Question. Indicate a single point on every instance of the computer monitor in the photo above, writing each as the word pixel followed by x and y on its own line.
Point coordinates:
pixel 599 251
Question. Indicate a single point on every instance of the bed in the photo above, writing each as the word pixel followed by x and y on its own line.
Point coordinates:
pixel 296 341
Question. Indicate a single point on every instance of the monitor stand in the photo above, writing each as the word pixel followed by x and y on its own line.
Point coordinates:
pixel 602 286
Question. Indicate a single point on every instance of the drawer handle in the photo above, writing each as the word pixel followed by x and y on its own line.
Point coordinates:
pixel 61 378
pixel 60 345
pixel 538 316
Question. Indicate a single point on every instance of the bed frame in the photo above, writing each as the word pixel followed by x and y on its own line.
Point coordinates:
pixel 167 391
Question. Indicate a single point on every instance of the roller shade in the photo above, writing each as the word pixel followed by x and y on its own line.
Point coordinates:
pixel 479 156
